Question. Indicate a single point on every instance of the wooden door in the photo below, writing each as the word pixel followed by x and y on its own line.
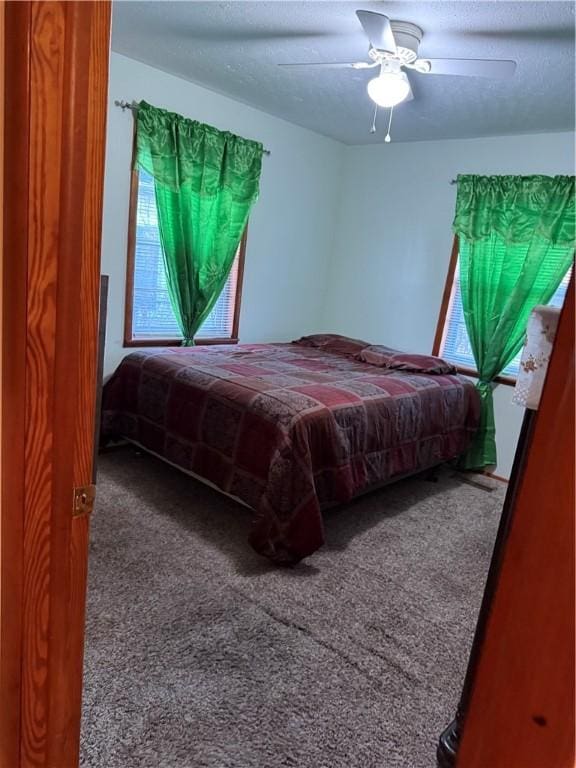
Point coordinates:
pixel 56 78
pixel 521 711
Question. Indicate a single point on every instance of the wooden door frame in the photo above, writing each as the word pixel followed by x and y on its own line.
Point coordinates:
pixel 56 77
pixel 521 712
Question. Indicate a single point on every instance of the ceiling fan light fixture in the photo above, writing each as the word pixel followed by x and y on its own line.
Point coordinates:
pixel 389 88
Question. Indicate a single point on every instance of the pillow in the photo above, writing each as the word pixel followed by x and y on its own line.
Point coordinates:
pixel 333 343
pixel 384 357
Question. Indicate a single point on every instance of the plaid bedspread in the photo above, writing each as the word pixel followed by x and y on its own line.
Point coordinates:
pixel 286 428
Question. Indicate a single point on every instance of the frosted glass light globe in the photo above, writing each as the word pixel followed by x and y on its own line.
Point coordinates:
pixel 389 88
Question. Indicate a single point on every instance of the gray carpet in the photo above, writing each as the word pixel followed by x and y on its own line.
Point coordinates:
pixel 201 655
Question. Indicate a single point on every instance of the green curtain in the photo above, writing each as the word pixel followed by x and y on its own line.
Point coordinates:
pixel 206 181
pixel 516 243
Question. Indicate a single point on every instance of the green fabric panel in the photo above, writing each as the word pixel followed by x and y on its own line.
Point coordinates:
pixel 516 244
pixel 206 182
pixel 518 208
pixel 482 451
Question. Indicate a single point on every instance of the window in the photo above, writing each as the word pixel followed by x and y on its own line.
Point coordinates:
pixel 454 344
pixel 149 315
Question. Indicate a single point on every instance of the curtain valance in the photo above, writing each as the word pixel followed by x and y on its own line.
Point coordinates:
pixel 517 208
pixel 177 151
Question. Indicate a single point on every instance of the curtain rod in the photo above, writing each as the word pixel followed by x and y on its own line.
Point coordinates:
pixel 454 181
pixel 133 106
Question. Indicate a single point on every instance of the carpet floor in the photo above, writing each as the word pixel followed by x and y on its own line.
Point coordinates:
pixel 199 654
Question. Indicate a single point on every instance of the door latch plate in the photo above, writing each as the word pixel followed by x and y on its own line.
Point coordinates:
pixel 84 498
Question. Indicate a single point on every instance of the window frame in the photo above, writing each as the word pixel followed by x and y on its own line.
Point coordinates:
pixel 509 381
pixel 129 340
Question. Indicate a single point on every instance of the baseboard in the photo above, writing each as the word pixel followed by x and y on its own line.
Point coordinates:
pixel 497 477
pixel 487 481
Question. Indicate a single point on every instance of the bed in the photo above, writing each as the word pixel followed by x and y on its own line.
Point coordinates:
pixel 289 429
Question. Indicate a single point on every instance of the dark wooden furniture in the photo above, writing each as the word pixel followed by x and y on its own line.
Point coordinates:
pixel 102 313
pixel 450 738
pixel 517 703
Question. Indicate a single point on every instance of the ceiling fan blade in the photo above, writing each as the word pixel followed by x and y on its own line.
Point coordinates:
pixel 378 30
pixel 335 64
pixel 469 67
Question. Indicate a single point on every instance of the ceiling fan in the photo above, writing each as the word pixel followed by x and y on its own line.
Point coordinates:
pixel 394 48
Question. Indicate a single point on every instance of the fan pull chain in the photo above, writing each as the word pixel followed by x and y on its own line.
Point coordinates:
pixel 387 138
pixel 373 129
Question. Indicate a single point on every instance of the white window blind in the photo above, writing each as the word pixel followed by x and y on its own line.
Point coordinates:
pixel 455 345
pixel 152 314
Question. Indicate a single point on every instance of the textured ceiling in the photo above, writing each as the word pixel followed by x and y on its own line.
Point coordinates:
pixel 233 48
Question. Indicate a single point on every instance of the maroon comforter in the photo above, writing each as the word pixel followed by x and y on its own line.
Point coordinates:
pixel 286 428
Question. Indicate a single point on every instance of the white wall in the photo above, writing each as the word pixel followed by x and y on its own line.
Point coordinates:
pixel 394 239
pixel 290 233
